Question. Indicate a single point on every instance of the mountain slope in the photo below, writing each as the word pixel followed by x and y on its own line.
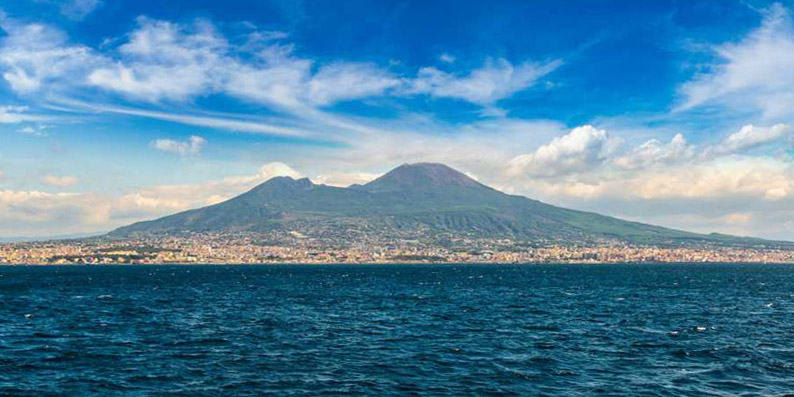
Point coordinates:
pixel 420 200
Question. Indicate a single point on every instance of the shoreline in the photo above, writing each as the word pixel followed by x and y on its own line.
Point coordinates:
pixel 263 264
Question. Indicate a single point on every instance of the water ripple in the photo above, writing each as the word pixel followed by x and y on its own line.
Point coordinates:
pixel 656 330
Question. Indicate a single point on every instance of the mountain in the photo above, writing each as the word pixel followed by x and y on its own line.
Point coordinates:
pixel 424 200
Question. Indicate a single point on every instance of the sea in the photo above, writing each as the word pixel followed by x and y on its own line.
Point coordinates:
pixel 383 330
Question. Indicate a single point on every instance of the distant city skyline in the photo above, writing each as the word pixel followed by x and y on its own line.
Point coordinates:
pixel 676 113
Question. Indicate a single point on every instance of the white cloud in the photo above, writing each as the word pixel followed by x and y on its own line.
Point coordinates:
pixel 166 199
pixel 345 179
pixel 754 72
pixel 225 123
pixel 654 152
pixel 25 213
pixel 582 149
pixel 446 58
pixel 32 55
pixel 192 146
pixel 693 195
pixel 751 136
pixel 37 130
pixel 265 36
pixel 496 80
pixel 163 60
pixel 79 9
pixel 754 176
pixel 59 181
pixel 22 211
pixel 13 114
pixel 280 83
pixel 274 169
pixel 360 80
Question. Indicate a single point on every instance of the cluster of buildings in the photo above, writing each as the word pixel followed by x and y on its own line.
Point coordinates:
pixel 297 248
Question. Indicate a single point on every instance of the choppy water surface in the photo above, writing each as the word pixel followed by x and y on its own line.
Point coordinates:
pixel 398 329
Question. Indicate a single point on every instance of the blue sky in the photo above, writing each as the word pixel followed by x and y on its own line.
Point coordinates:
pixel 678 113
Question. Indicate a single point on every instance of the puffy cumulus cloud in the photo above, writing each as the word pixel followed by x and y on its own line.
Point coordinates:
pixel 753 72
pixel 751 136
pixel 192 146
pixel 722 186
pixel 59 181
pixel 593 153
pixel 654 152
pixel 274 169
pixel 496 80
pixel 654 169
pixel 582 149
pixel 694 195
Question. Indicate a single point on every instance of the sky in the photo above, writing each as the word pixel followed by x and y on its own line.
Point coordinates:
pixel 676 113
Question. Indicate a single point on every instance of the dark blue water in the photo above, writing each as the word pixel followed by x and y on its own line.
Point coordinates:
pixel 398 329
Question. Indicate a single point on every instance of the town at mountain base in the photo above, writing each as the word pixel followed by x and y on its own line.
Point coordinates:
pixel 424 201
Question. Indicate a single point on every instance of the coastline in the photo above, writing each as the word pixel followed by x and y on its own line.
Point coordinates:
pixel 391 263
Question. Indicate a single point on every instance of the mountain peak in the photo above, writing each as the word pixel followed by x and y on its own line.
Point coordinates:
pixel 422 176
pixel 284 184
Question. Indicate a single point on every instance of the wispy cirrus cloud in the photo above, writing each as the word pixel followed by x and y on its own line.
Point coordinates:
pixel 166 61
pixel 36 55
pixel 35 130
pixel 200 120
pixel 13 114
pixel 78 9
pixel 753 72
pixel 495 80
